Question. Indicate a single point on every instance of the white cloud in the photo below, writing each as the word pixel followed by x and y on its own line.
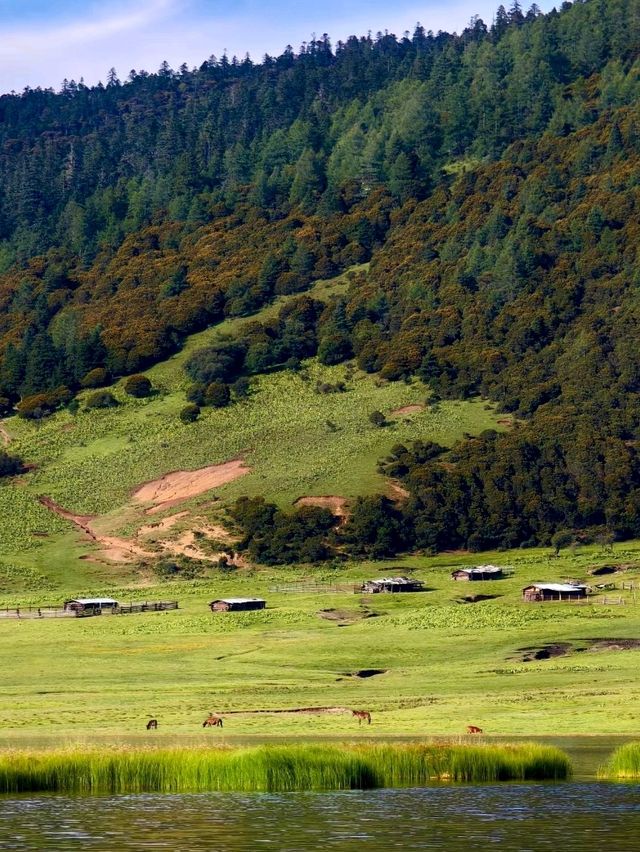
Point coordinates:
pixel 31 55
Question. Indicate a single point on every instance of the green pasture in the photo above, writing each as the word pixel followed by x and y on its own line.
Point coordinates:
pixel 298 442
pixel 446 664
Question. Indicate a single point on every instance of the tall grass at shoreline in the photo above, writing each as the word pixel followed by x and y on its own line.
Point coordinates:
pixel 623 763
pixel 274 768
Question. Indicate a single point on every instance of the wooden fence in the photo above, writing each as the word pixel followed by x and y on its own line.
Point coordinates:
pixel 24 612
pixel 306 588
pixel 147 606
pixel 56 611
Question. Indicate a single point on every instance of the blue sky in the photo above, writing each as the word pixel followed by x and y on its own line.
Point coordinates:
pixel 44 41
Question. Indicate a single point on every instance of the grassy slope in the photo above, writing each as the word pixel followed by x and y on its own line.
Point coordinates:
pixel 91 462
pixel 447 664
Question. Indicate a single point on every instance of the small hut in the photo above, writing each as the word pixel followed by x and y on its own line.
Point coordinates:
pixel 480 572
pixel 93 606
pixel 392 584
pixel 237 604
pixel 555 592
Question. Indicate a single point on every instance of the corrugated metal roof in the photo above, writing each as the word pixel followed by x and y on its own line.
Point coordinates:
pixel 398 581
pixel 94 601
pixel 482 569
pixel 237 600
pixel 558 587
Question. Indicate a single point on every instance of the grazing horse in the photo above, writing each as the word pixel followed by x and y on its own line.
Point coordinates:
pixel 361 715
pixel 212 721
pixel 152 725
pixel 473 729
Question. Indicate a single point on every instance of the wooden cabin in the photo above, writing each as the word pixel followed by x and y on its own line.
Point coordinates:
pixel 480 572
pixel 555 592
pixel 237 604
pixel 94 606
pixel 392 585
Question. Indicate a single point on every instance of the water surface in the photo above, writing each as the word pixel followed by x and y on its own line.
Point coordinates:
pixel 572 817
pixel 577 816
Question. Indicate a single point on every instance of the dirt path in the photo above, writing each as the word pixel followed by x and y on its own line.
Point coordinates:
pixel 124 550
pixel 408 409
pixel 114 549
pixel 288 710
pixel 180 485
pixel 5 437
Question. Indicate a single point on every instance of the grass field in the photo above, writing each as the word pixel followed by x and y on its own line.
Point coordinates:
pixel 446 664
pixel 296 441
pixel 443 664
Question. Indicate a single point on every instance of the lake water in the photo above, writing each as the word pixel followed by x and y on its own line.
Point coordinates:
pixel 576 816
pixel 571 817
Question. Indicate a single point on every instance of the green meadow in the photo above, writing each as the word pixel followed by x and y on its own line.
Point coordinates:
pixel 296 441
pixel 443 664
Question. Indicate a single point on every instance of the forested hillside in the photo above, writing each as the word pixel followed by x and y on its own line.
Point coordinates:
pixel 490 178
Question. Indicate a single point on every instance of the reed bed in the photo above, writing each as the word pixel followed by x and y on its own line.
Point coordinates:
pixel 274 768
pixel 623 763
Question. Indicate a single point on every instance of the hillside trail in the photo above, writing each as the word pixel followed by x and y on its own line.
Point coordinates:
pixel 114 548
pixel 119 549
pixel 5 437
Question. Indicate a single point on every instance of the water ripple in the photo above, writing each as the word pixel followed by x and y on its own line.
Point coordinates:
pixel 574 817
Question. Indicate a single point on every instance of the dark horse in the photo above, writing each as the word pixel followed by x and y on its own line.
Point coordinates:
pixel 212 721
pixel 152 725
pixel 361 715
pixel 473 729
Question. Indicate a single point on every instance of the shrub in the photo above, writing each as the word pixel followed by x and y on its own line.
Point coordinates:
pixel 41 404
pixel 217 394
pixel 190 413
pixel 6 406
pixel 97 378
pixel 138 386
pixel 195 394
pixel 241 388
pixel 377 418
pixel 101 399
pixel 10 465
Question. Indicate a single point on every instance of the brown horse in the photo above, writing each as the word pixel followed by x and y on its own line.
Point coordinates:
pixel 212 721
pixel 361 715
pixel 473 729
pixel 152 725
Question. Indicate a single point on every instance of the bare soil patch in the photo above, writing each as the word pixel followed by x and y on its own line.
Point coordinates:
pixel 562 649
pixel 615 644
pixel 546 652
pixel 345 616
pixel 337 505
pixel 164 524
pixel 264 711
pixel 365 673
pixel 113 548
pixel 180 485
pixel 408 409
pixel 477 598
